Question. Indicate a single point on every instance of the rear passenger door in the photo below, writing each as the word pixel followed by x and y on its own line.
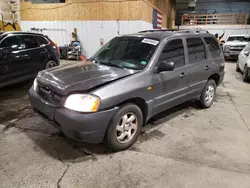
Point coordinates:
pixel 199 66
pixel 32 53
pixel 174 89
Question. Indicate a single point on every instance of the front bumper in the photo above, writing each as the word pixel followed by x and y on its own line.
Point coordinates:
pixel 231 55
pixel 86 127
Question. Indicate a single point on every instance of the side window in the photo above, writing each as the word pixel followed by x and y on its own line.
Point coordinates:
pixel 196 50
pixel 12 43
pixel 173 52
pixel 41 41
pixel 28 42
pixel 213 46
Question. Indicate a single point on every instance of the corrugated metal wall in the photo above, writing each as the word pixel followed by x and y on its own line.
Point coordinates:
pixel 89 32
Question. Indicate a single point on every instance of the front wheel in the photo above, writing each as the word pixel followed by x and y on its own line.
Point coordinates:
pixel 208 94
pixel 246 74
pixel 124 127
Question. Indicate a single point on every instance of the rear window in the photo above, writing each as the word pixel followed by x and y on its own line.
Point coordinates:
pixel 41 41
pixel 213 46
pixel 196 50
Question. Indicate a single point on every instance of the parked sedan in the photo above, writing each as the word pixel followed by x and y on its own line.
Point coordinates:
pixel 23 55
pixel 243 63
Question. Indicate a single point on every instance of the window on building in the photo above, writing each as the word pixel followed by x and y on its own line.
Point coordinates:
pixel 196 50
pixel 213 46
pixel 173 52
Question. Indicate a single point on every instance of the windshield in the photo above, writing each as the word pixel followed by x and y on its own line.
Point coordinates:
pixel 127 52
pixel 239 38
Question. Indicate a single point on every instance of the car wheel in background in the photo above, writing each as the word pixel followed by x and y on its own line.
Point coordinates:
pixel 50 64
pixel 237 66
pixel 246 74
pixel 208 95
pixel 124 127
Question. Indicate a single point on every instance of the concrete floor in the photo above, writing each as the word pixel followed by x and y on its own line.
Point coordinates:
pixel 182 147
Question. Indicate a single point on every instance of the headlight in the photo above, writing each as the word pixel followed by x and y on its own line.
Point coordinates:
pixel 35 85
pixel 226 48
pixel 82 103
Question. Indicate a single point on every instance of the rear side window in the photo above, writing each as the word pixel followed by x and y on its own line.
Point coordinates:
pixel 174 52
pixel 28 41
pixel 41 41
pixel 196 50
pixel 213 46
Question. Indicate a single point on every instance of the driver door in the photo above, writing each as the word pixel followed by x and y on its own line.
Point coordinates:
pixel 173 84
pixel 11 67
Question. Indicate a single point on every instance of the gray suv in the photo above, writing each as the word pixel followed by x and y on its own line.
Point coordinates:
pixel 130 79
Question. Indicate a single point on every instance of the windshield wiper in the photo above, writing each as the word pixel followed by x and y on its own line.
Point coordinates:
pixel 112 65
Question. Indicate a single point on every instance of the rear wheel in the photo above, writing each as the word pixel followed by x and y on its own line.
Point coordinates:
pixel 208 94
pixel 237 66
pixel 246 74
pixel 50 64
pixel 124 127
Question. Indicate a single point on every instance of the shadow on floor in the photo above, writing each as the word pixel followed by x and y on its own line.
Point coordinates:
pixel 58 146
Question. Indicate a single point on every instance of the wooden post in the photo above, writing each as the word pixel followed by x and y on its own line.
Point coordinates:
pixel 246 18
pixel 206 20
pixel 182 20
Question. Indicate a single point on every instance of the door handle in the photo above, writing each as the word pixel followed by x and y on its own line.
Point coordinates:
pixel 42 53
pixel 182 75
pixel 207 67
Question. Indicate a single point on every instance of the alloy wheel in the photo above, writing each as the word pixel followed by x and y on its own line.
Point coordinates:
pixel 126 127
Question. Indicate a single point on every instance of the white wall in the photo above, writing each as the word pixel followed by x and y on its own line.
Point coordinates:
pixel 89 32
pixel 228 29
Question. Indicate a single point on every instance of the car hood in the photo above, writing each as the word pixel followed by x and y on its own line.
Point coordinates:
pixel 236 43
pixel 80 77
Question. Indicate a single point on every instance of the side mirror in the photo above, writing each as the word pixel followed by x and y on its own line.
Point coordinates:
pixel 165 66
pixel 246 53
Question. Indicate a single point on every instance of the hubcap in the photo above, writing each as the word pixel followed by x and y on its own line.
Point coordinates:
pixel 50 64
pixel 126 127
pixel 209 95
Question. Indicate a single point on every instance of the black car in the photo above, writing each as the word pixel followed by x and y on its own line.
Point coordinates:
pixel 129 80
pixel 23 55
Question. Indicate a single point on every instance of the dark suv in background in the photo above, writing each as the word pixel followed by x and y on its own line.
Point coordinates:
pixel 129 80
pixel 23 55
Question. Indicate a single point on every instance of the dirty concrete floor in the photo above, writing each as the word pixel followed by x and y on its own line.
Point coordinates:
pixel 182 147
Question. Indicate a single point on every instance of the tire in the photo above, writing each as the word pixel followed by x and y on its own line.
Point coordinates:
pixel 50 64
pixel 209 91
pixel 237 66
pixel 245 76
pixel 118 129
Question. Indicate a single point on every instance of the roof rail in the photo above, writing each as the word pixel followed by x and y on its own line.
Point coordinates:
pixel 176 30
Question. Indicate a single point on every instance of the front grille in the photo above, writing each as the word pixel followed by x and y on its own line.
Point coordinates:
pixel 48 94
pixel 236 48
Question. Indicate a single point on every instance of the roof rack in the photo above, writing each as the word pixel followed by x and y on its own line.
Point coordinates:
pixel 176 30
